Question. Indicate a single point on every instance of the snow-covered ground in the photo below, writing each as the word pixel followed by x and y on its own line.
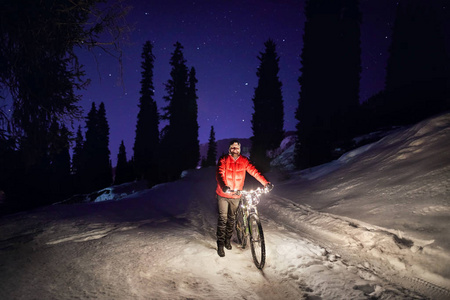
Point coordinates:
pixel 374 224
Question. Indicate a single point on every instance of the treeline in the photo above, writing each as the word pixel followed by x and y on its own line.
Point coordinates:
pixel 162 156
pixel 417 82
pixel 40 72
pixel 157 156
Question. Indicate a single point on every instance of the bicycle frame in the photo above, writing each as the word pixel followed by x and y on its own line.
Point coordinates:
pixel 248 203
pixel 248 225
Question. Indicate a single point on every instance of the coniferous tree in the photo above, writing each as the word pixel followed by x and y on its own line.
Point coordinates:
pixel 88 170
pixel 146 143
pixel 211 155
pixel 192 146
pixel 77 151
pixel 268 116
pixel 77 161
pixel 123 170
pixel 329 81
pixel 203 162
pixel 418 67
pixel 348 75
pixel 96 170
pixel 173 135
pixel 59 149
pixel 59 159
pixel 372 113
pixel 63 158
pixel 104 163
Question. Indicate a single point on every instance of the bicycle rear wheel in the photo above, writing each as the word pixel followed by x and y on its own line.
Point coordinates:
pixel 257 241
pixel 240 228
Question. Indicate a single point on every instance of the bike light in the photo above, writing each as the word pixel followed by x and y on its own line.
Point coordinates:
pixel 255 200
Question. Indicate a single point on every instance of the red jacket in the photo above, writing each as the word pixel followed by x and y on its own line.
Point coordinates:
pixel 232 172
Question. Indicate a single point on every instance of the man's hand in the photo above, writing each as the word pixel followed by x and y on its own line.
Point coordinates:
pixel 226 189
pixel 268 187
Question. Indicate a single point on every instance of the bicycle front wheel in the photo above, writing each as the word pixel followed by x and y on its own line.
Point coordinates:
pixel 240 228
pixel 257 241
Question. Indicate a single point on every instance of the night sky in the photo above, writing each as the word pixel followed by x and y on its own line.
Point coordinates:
pixel 221 40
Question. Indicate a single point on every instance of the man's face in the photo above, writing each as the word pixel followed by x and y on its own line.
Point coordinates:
pixel 235 149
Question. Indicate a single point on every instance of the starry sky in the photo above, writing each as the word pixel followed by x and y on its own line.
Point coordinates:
pixel 221 40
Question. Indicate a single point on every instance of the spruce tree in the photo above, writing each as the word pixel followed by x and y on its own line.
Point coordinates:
pixel 88 171
pixel 192 146
pixel 96 170
pixel 418 67
pixel 59 149
pixel 329 79
pixel 59 162
pixel 268 116
pixel 104 163
pixel 122 173
pixel 348 57
pixel 146 143
pixel 211 155
pixel 61 165
pixel 77 151
pixel 78 161
pixel 173 135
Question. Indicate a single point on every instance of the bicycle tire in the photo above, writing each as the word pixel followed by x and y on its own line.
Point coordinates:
pixel 240 228
pixel 257 241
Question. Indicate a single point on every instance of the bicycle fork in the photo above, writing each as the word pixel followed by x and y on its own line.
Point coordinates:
pixel 252 229
pixel 249 226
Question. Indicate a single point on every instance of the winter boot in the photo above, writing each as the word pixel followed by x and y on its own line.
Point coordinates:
pixel 220 250
pixel 228 244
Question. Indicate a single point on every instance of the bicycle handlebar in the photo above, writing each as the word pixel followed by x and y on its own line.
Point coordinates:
pixel 258 191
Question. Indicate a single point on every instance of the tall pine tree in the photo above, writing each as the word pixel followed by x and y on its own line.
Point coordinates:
pixel 268 116
pixel 329 81
pixel 104 163
pixel 77 161
pixel 96 170
pixel 123 169
pixel 59 159
pixel 77 151
pixel 177 146
pixel 146 143
pixel 211 155
pixel 192 146
pixel 348 75
pixel 88 170
pixel 418 67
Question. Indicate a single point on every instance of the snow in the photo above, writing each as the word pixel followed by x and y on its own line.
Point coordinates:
pixel 374 224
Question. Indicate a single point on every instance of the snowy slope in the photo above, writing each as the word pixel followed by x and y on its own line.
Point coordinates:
pixel 373 224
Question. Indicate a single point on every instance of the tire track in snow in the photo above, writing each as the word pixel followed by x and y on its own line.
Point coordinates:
pixel 374 250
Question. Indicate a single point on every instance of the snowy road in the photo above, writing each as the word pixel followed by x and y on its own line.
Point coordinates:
pixel 160 244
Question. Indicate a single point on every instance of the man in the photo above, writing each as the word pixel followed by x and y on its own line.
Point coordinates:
pixel 230 175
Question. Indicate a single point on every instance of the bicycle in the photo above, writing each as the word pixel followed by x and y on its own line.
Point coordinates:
pixel 248 225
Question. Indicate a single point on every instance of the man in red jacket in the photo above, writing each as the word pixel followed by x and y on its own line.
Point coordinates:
pixel 230 175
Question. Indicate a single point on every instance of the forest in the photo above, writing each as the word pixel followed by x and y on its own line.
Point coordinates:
pixel 40 74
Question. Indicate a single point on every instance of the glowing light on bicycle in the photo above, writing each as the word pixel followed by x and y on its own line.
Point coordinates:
pixel 248 226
